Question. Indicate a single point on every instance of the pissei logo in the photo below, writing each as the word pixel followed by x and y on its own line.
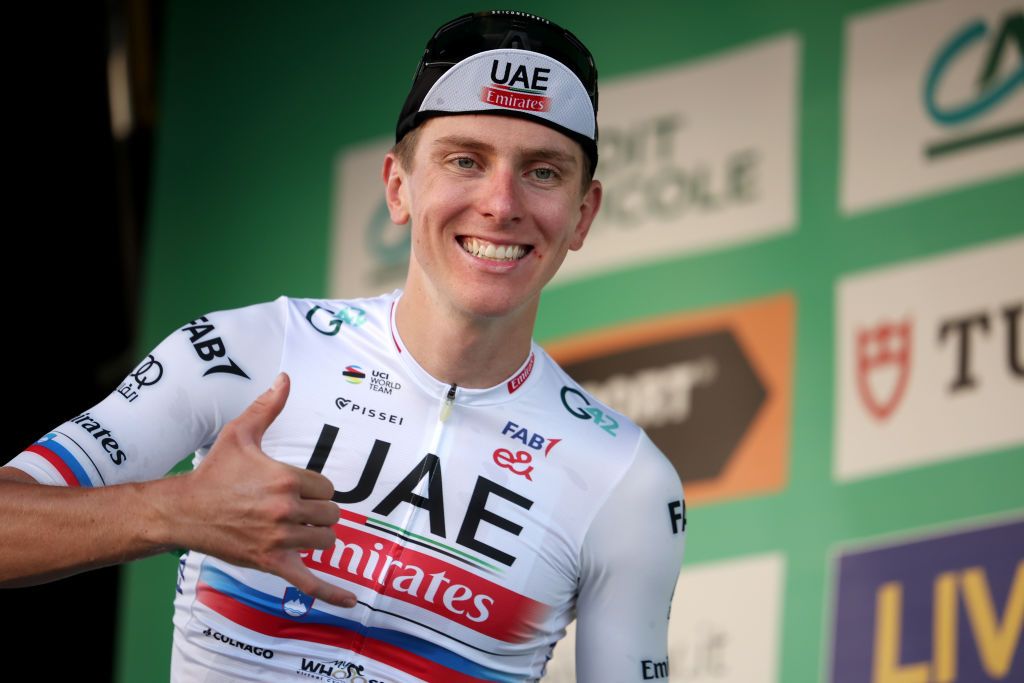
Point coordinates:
pixel 995 54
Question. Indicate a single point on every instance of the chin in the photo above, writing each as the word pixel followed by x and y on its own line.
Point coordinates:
pixel 481 305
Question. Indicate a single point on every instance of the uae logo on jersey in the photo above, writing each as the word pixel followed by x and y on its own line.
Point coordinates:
pixel 883 366
pixel 295 603
pixel 354 374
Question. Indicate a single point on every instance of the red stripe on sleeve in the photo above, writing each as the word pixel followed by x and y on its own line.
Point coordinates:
pixel 55 460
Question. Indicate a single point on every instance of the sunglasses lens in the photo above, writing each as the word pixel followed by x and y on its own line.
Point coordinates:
pixel 469 35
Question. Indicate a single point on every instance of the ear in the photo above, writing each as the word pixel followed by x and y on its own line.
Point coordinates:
pixel 394 179
pixel 589 206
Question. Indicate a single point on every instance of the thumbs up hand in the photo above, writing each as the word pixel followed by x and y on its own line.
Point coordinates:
pixel 245 508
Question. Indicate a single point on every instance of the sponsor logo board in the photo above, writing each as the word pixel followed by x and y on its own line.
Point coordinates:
pixel 939 609
pixel 930 360
pixel 369 253
pixel 934 99
pixel 680 174
pixel 725 627
pixel 712 389
pixel 686 174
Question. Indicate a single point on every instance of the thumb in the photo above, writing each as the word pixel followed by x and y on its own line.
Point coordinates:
pixel 259 414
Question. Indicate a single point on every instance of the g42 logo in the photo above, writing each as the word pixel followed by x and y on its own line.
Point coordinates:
pixel 578 406
pixel 990 92
pixel 332 325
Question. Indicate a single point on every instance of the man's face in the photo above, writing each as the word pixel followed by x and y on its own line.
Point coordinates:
pixel 495 204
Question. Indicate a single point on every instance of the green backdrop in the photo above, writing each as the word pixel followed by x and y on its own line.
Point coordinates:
pixel 258 98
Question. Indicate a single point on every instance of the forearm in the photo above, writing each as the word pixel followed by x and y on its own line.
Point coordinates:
pixel 49 532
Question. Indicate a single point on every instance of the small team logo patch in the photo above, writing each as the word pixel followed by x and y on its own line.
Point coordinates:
pixel 517 463
pixel 883 366
pixel 354 374
pixel 295 603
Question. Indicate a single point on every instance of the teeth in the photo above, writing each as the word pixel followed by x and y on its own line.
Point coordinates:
pixel 482 249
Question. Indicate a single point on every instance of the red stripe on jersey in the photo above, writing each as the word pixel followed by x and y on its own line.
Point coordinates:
pixel 329 634
pixel 55 460
pixel 353 516
pixel 401 573
pixel 391 326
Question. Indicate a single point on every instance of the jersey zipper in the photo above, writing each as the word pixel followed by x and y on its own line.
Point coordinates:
pixel 447 402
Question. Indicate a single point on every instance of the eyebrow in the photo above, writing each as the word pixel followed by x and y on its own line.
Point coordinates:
pixel 543 153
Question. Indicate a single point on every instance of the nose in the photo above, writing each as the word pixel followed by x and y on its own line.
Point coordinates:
pixel 501 195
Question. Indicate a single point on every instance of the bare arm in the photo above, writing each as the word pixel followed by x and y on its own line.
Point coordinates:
pixel 50 532
pixel 238 505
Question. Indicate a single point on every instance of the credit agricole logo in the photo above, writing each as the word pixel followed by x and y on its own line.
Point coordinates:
pixel 994 52
pixel 711 388
pixel 933 99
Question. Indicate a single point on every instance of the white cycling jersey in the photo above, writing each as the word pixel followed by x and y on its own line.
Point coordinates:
pixel 476 523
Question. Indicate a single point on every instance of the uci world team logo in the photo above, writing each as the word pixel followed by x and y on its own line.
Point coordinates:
pixel 353 374
pixel 883 366
pixel 975 72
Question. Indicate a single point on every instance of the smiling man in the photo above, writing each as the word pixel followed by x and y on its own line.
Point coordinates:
pixel 422 494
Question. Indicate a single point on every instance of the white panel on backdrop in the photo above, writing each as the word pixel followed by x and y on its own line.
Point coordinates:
pixel 369 253
pixel 933 99
pixel 725 627
pixel 930 360
pixel 694 157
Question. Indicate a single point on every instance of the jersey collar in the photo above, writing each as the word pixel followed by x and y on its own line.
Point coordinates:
pixel 513 387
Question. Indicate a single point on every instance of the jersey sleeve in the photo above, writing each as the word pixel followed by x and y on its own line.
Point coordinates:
pixel 174 402
pixel 630 562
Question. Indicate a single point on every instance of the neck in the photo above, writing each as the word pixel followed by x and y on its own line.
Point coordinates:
pixel 456 347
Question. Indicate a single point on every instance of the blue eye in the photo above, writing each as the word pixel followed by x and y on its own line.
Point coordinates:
pixel 544 173
pixel 465 162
